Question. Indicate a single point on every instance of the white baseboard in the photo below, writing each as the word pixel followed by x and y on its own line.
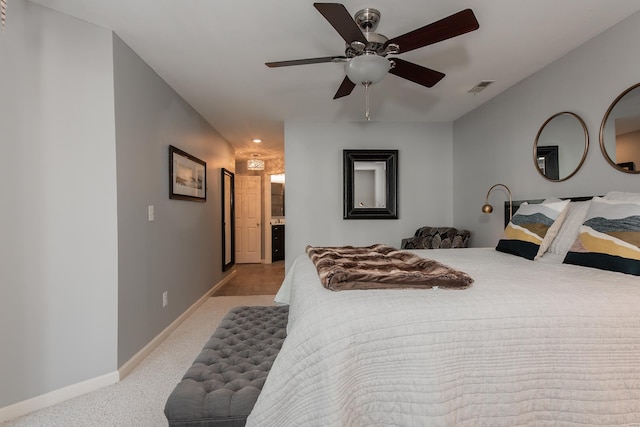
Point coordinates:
pixel 222 282
pixel 74 390
pixel 128 366
pixel 60 395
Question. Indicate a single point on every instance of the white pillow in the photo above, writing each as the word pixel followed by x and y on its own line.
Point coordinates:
pixel 575 213
pixel 622 196
pixel 552 233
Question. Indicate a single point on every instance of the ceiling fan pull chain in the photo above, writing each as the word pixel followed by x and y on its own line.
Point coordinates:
pixel 366 101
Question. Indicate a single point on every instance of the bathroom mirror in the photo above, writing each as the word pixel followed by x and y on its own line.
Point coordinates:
pixel 277 196
pixel 620 131
pixel 228 219
pixel 561 146
pixel 370 184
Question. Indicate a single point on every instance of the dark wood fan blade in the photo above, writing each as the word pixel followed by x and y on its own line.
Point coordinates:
pixel 416 73
pixel 345 88
pixel 449 27
pixel 339 17
pixel 305 61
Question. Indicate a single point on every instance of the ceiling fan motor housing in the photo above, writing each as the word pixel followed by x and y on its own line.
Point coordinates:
pixel 367 19
pixel 375 44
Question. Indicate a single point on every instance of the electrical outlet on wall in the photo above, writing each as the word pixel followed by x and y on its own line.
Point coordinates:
pixel 165 298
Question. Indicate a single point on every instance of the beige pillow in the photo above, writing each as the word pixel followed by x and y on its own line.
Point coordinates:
pixel 574 217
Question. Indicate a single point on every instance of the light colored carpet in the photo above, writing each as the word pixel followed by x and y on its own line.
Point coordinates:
pixel 139 399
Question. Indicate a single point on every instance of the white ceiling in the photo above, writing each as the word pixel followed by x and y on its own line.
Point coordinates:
pixel 212 52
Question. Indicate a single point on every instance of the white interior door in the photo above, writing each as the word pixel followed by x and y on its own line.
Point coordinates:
pixel 248 219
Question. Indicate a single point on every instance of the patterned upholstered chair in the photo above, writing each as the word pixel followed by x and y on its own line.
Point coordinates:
pixel 436 238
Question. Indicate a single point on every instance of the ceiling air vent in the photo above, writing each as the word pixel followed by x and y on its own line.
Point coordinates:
pixel 481 86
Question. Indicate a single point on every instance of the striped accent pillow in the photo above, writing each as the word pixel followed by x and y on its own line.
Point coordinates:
pixel 609 238
pixel 532 229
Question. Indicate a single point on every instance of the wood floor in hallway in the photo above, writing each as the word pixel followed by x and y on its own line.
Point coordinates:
pixel 254 279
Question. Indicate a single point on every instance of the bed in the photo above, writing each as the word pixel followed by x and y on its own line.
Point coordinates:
pixel 529 343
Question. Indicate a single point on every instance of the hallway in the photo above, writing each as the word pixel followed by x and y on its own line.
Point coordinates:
pixel 254 279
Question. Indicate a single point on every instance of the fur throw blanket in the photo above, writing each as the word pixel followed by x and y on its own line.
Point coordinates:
pixel 381 267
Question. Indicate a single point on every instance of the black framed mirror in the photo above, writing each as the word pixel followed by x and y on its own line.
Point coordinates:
pixel 370 184
pixel 228 220
pixel 620 132
pixel 561 146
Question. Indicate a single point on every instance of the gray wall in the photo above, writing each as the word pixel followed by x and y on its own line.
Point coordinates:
pixel 493 144
pixel 314 181
pixel 86 126
pixel 58 224
pixel 181 251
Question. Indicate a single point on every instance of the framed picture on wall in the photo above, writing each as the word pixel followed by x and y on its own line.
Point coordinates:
pixel 187 176
pixel 370 184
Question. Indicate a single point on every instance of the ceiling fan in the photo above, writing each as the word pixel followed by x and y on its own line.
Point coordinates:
pixel 366 51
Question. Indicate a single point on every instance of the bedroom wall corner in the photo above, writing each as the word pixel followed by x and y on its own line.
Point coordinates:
pixel 494 143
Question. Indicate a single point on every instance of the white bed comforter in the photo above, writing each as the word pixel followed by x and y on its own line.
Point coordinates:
pixel 529 343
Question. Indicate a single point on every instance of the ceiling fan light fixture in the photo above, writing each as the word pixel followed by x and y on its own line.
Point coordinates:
pixel 367 69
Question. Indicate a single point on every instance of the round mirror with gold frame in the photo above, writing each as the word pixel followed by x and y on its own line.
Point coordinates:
pixel 620 131
pixel 561 146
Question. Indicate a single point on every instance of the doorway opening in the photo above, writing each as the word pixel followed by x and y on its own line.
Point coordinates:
pixel 258 211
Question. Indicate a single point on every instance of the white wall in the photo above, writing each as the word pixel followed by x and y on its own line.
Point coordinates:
pixel 493 144
pixel 315 186
pixel 58 227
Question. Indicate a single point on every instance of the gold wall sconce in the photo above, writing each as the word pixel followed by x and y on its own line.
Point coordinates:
pixel 487 208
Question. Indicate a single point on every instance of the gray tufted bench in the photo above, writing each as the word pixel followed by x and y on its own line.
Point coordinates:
pixel 223 384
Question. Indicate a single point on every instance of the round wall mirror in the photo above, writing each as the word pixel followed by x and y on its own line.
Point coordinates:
pixel 620 131
pixel 561 146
